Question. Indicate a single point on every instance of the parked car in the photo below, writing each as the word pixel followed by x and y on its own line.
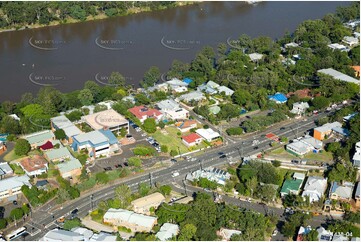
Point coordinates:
pixel 74 212
pixel 275 232
pixel 61 219
pixel 223 156
pixel 118 166
pixel 173 160
pixel 255 148
pixel 15 202
pixel 125 164
pixel 175 174
pixel 282 128
pixel 107 168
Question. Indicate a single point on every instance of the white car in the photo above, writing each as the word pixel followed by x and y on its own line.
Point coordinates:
pixel 175 174
pixel 275 232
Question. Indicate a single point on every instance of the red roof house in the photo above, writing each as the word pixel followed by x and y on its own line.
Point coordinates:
pixel 47 146
pixel 142 113
pixel 191 139
pixel 304 93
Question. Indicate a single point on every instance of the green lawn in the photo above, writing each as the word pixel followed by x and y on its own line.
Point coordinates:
pixel 323 156
pixel 172 140
pixel 12 156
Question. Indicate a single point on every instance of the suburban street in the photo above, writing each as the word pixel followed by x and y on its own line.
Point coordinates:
pixel 42 221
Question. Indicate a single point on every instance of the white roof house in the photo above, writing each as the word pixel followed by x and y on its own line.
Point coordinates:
pixel 339 76
pixel 172 110
pixel 291 45
pixel 227 233
pixel 167 231
pixel 304 145
pixel 87 233
pixel 195 95
pixel 336 46
pixel 5 169
pixel 208 134
pixel 168 104
pixel 299 107
pixel 323 234
pixel 350 40
pixel 255 57
pixel 62 235
pixel 227 91
pixel 315 187
pixel 122 216
pixel 213 85
pixel 356 159
pixel 341 191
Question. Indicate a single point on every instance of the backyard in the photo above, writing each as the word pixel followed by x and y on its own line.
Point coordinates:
pixel 169 136
pixel 321 156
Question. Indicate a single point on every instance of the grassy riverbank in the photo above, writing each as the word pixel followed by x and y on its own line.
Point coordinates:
pixel 98 14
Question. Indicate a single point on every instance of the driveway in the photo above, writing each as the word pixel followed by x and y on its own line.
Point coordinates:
pixel 10 147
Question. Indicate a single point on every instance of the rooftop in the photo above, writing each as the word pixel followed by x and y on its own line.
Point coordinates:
pixel 186 124
pixel 195 95
pixel 208 133
pixel 60 153
pixel 62 122
pixel 14 182
pixel 291 185
pixel 191 137
pixel 328 127
pixel 70 165
pixel 338 75
pixel 141 111
pixel 94 137
pixel 34 163
pixel 167 231
pixel 343 191
pixel 168 104
pixel 130 217
pixel 39 137
pixel 255 56
pixel 105 119
pixel 62 235
pixel 5 168
pixel 278 97
pixel 148 200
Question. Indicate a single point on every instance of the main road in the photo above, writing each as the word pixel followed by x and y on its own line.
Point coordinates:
pixel 41 222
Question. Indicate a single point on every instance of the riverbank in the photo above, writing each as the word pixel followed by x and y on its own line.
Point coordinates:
pixel 99 16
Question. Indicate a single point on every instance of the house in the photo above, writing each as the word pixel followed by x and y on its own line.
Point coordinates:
pixel 84 232
pixel 314 188
pixel 292 186
pixel 142 113
pixel 71 168
pixel 325 130
pixel 5 170
pixel 35 165
pixel 95 142
pixel 102 236
pixel 291 45
pixel 339 237
pixel 304 145
pixel 226 234
pixel 340 132
pixel 129 219
pixel 339 47
pixel 357 195
pixel 300 108
pixel 227 91
pixel 302 232
pixel 192 96
pixel 12 186
pixel 323 234
pixel 185 126
pixel 357 71
pixel 207 89
pixel 210 173
pixel 340 191
pixel 172 110
pixel 213 85
pixel 129 99
pixel 338 75
pixel 208 134
pixel 39 138
pixel 278 98
pixel 62 235
pixel 350 40
pixel 58 154
pixel 41 184
pixel 107 119
pixel 14 116
pixel 47 146
pixel 62 122
pixel 144 204
pixel 349 117
pixel 167 231
pixel 255 57
pixel 356 159
pixel 192 139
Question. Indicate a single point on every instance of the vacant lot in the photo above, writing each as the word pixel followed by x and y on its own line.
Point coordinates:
pixel 322 156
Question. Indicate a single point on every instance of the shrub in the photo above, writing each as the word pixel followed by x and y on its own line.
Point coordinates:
pixel 22 147
pixel 173 153
pixel 234 131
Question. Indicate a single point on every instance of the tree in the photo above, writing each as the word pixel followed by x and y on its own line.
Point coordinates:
pixel 234 131
pixel 86 97
pixel 143 189
pixel 116 79
pixel 241 97
pixel 173 153
pixel 63 195
pixel 342 172
pixel 140 98
pixel 71 223
pixel 187 232
pixel 99 108
pixel 102 178
pixel 9 125
pixel 74 115
pixel 16 213
pixel 276 163
pixel 165 190
pixel 124 194
pixel 150 125
pixel 320 102
pixel 164 148
pixel 151 76
pixel 267 193
pixel 77 12
pixel 22 147
pixel 60 134
pixel 134 161
pixel 25 208
pixel 3 223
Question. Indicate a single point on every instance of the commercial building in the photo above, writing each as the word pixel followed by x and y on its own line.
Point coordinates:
pixel 35 165
pixel 62 122
pixel 12 186
pixel 192 139
pixel 39 138
pixel 208 134
pixel 71 168
pixel 325 130
pixel 142 113
pixel 129 219
pixel 107 120
pixel 167 231
pixel 293 185
pixel 211 173
pixel 304 146
pixel 339 76
pixel 314 188
pixel 144 204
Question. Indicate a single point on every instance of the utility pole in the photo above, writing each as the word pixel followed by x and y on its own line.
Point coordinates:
pixel 180 154
pixel 242 149
pixel 151 179
pixel 91 201
pixel 200 164
pixel 185 187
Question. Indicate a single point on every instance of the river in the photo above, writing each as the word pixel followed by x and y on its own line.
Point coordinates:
pixel 66 56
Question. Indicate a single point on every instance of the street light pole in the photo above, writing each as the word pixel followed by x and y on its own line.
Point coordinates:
pixel 180 154
pixel 91 201
pixel 185 187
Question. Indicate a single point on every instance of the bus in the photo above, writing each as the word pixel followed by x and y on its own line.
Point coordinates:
pixel 15 233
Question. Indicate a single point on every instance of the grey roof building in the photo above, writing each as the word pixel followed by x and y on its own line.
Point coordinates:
pixel 196 96
pixel 167 231
pixel 338 75
pixel 62 235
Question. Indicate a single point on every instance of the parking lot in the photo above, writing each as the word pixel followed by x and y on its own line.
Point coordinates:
pixel 6 207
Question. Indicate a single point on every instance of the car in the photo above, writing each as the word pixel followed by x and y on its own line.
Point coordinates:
pixel 175 174
pixel 173 160
pixel 143 135
pixel 193 159
pixel 220 153
pixel 275 232
pixel 61 219
pixel 125 164
pixel 249 200
pixel 188 157
pixel 107 168
pixel 118 166
pixel 255 148
pixel 207 190
pixel 15 202
pixel 282 128
pixel 75 211
pixel 129 136
pixel 223 156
